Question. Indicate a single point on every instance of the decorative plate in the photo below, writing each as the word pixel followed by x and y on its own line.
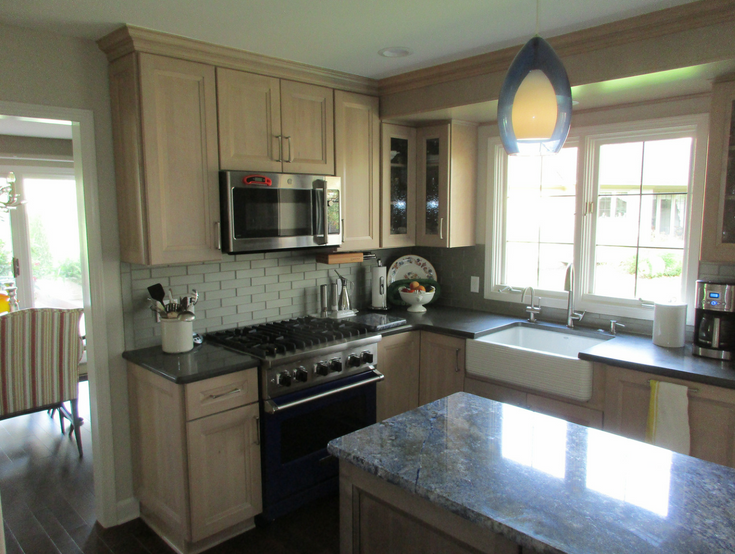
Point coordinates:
pixel 411 267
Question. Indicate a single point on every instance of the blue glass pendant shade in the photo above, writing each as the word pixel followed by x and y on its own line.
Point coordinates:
pixel 537 54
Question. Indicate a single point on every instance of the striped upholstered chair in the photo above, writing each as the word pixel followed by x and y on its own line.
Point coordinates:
pixel 40 349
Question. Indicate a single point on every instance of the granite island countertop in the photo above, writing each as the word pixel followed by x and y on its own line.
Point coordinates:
pixel 547 484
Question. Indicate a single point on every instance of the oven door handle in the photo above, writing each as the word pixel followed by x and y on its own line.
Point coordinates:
pixel 271 407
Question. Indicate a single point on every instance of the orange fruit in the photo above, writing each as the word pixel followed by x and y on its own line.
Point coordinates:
pixel 414 285
pixel 421 287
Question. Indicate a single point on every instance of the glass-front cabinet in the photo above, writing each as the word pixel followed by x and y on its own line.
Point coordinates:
pixel 398 226
pixel 446 185
pixel 718 228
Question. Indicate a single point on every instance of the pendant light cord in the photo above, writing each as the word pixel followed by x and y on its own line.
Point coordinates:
pixel 537 8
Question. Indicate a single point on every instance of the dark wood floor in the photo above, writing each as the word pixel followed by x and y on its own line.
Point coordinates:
pixel 47 497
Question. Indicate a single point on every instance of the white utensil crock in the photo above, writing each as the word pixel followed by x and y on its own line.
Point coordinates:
pixel 669 322
pixel 177 336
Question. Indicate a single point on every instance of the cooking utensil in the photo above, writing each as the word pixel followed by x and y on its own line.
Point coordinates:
pixel 186 316
pixel 157 293
pixel 157 306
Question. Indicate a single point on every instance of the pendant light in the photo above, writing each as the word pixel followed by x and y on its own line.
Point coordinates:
pixel 535 103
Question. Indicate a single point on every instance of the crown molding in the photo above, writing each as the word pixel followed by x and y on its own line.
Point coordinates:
pixel 656 24
pixel 129 38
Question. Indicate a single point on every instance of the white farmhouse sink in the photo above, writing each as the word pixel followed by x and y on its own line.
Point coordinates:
pixel 540 358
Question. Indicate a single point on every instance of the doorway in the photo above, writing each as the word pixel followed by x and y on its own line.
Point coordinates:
pixel 81 123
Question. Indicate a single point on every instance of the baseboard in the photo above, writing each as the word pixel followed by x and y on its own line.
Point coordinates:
pixel 127 510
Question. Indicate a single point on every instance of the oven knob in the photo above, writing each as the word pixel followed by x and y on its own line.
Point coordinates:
pixel 353 360
pixel 300 374
pixel 335 365
pixel 321 368
pixel 283 379
pixel 366 357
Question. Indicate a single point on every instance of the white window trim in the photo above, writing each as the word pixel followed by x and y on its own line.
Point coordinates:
pixel 586 140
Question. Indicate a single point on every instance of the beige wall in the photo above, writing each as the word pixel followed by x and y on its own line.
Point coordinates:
pixel 36 147
pixel 47 69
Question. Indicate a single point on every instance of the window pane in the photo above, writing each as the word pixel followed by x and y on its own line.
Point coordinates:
pixel 553 262
pixel 659 274
pixel 559 173
pixel 522 219
pixel 666 165
pixel 51 206
pixel 663 220
pixel 615 271
pixel 617 220
pixel 620 167
pixel 524 176
pixel 521 261
pixel 6 249
pixel 556 219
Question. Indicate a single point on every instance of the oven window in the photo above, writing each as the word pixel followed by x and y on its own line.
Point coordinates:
pixel 263 213
pixel 305 434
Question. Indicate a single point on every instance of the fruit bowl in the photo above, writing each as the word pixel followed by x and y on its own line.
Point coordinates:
pixel 416 300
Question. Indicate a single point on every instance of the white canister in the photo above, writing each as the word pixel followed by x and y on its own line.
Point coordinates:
pixel 669 324
pixel 177 336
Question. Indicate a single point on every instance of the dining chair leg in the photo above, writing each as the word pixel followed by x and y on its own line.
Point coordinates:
pixel 61 420
pixel 77 423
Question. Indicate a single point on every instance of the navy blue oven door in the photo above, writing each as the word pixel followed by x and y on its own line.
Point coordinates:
pixel 296 429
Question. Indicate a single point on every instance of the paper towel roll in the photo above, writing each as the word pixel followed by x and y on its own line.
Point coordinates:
pixel 669 322
pixel 379 287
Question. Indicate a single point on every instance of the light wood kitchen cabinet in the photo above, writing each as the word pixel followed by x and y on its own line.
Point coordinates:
pixel 357 137
pixel 398 186
pixel 442 366
pixel 711 413
pixel 274 125
pixel 446 185
pixel 588 414
pixel 196 455
pixel 718 227
pixel 164 118
pixel 398 359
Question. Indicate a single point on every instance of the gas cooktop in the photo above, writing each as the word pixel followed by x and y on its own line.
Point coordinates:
pixel 269 340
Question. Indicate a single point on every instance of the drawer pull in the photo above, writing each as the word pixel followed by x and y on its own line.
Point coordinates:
pixel 456 362
pixel 257 429
pixel 228 393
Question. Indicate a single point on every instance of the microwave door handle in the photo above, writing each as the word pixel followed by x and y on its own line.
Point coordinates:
pixel 323 238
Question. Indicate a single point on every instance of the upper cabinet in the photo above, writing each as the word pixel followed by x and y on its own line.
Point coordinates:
pixel 276 125
pixel 718 229
pixel 398 194
pixel 164 116
pixel 357 131
pixel 446 185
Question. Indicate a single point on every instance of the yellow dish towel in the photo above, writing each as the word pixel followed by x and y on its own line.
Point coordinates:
pixel 668 417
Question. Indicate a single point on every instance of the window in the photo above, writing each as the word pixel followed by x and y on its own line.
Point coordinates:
pixel 617 202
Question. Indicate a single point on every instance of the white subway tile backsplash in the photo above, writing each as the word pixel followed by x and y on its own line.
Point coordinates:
pixel 238 290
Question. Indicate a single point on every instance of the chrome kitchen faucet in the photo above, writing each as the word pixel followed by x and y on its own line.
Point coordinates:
pixel 532 310
pixel 569 286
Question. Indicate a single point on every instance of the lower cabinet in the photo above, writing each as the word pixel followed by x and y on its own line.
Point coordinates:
pixel 196 455
pixel 419 367
pixel 711 413
pixel 398 360
pixel 588 414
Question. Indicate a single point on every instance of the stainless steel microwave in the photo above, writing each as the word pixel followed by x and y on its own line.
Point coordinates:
pixel 272 211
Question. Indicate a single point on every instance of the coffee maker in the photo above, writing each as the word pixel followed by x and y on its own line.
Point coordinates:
pixel 714 320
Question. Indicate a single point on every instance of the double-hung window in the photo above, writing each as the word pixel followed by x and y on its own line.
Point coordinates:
pixel 620 202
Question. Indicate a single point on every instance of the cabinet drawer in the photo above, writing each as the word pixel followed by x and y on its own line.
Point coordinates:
pixel 222 393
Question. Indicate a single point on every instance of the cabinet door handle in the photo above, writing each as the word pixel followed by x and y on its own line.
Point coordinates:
pixel 257 429
pixel 280 148
pixel 456 361
pixel 343 229
pixel 222 395
pixel 218 231
pixel 441 228
pixel 290 151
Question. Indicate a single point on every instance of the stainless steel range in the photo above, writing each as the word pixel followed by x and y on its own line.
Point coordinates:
pixel 317 383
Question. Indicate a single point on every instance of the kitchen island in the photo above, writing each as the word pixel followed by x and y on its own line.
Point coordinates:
pixel 466 474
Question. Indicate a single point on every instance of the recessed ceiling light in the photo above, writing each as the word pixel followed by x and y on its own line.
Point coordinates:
pixel 395 52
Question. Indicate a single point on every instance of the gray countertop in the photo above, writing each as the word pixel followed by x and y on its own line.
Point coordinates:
pixel 202 362
pixel 547 484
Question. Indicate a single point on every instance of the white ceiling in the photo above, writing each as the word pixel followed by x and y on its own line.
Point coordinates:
pixel 343 35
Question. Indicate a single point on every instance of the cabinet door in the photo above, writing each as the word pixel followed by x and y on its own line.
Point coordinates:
pixel 224 470
pixel 249 115
pixel 398 187
pixel 711 413
pixel 718 227
pixel 357 128
pixel 568 412
pixel 432 192
pixel 179 127
pixel 398 360
pixel 442 366
pixel 307 122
